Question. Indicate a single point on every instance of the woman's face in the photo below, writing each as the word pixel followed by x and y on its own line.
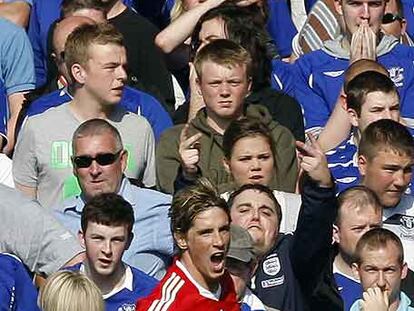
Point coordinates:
pixel 251 161
pixel 211 30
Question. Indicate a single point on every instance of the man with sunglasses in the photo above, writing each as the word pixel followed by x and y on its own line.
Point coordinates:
pixel 99 160
pixel 394 23
pixel 95 57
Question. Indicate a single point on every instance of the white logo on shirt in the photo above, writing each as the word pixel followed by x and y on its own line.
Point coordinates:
pixel 271 266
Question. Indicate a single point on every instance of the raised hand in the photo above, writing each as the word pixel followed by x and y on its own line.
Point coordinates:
pixel 189 152
pixel 364 43
pixel 313 161
pixel 374 299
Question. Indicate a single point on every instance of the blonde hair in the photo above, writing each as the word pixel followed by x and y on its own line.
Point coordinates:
pixel 177 10
pixel 70 291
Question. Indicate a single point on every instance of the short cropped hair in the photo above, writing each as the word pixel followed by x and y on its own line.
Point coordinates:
pixel 223 52
pixel 79 41
pixel 71 6
pixel 96 127
pixel 244 127
pixel 364 83
pixel 376 239
pixel 358 197
pixel 70 291
pixel 386 135
pixel 108 209
pixel 262 189
pixel 191 201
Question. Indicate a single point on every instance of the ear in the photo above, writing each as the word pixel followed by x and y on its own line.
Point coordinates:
pixel 335 234
pixel 75 172
pixel 53 56
pixel 124 160
pixel 342 100
pixel 81 238
pixel 404 271
pixel 403 26
pixel 130 238
pixel 362 165
pixel 355 271
pixel 226 164
pixel 250 84
pixel 338 7
pixel 181 241
pixel 198 86
pixel 353 117
pixel 78 73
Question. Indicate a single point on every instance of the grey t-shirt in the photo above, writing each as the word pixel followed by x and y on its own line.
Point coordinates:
pixel 30 232
pixel 43 151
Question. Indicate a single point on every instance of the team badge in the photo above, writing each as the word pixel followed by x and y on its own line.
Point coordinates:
pixel 397 75
pixel 127 307
pixel 271 266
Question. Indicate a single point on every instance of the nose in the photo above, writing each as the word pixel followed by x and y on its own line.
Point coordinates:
pixel 381 283
pixel 255 165
pixel 218 240
pixel 122 74
pixel 224 90
pixel 107 248
pixel 387 114
pixel 95 169
pixel 399 180
pixel 365 11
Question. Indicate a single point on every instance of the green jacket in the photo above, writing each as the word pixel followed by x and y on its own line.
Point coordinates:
pixel 211 152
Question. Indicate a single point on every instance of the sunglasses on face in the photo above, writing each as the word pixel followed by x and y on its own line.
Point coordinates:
pixel 102 159
pixel 390 18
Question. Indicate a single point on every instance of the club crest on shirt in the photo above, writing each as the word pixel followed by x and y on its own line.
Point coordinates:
pixel 271 266
pixel 127 307
pixel 397 75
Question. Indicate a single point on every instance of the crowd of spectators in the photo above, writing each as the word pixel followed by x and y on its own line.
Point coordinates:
pixel 206 154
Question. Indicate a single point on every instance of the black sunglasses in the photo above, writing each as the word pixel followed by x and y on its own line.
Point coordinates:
pixel 101 159
pixel 390 18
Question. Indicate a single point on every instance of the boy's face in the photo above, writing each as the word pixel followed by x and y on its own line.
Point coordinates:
pixel 388 174
pixel 357 12
pixel 105 246
pixel 382 268
pixel 224 89
pixel 377 105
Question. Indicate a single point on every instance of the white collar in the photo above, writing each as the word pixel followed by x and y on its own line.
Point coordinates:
pixel 336 270
pixel 203 291
pixel 128 282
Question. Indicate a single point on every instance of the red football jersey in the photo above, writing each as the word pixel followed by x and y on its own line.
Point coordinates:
pixel 176 292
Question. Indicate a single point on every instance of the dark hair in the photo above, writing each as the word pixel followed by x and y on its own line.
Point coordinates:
pixel 68 7
pixel 108 209
pixel 364 83
pixel 223 52
pixel 358 196
pixel 386 135
pixel 376 239
pixel 245 26
pixel 244 127
pixel 191 201
pixel 262 189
